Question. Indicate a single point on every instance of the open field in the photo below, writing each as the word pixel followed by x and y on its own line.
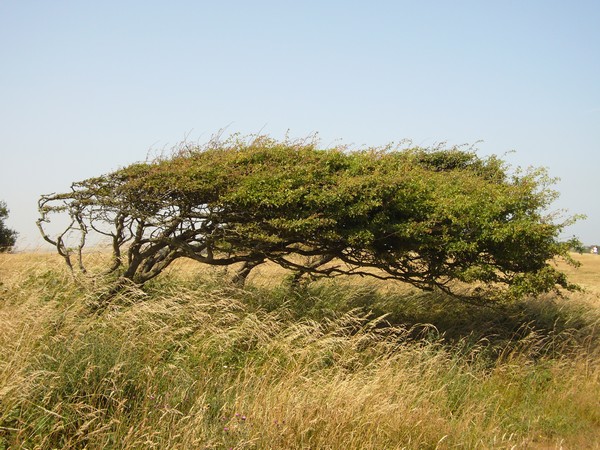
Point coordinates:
pixel 194 362
pixel 588 275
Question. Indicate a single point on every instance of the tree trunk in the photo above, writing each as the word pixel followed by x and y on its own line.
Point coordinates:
pixel 239 279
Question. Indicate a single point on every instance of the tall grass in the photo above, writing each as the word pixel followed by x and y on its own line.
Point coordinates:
pixel 193 362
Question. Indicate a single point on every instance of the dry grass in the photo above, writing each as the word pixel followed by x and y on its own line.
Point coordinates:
pixel 588 275
pixel 267 275
pixel 193 362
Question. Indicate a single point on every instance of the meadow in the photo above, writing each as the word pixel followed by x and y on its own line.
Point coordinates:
pixel 194 362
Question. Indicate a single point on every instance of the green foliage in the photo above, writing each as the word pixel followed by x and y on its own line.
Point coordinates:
pixel 428 217
pixel 8 237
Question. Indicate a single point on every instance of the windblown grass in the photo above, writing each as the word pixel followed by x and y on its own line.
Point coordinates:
pixel 193 362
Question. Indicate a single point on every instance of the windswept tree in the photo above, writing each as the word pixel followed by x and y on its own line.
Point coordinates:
pixel 8 237
pixel 428 217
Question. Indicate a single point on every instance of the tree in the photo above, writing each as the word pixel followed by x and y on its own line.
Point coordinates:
pixel 8 237
pixel 428 217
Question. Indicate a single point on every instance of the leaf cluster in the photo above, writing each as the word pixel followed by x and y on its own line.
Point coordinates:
pixel 428 217
pixel 8 237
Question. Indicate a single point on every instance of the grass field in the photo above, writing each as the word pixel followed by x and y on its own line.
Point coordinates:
pixel 193 362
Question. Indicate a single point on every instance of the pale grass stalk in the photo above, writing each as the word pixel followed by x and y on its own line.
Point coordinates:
pixel 162 368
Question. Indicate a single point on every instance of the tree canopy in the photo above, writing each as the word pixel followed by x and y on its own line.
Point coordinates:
pixel 8 237
pixel 428 217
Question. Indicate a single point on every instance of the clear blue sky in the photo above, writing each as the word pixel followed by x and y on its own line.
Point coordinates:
pixel 88 87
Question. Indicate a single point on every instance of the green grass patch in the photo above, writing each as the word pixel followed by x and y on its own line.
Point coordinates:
pixel 203 364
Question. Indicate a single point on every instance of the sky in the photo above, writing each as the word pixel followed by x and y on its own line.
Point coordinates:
pixel 89 87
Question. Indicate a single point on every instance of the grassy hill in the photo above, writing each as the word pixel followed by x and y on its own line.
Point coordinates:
pixel 194 362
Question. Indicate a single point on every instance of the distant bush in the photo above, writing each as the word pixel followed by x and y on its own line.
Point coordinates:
pixel 422 216
pixel 8 237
